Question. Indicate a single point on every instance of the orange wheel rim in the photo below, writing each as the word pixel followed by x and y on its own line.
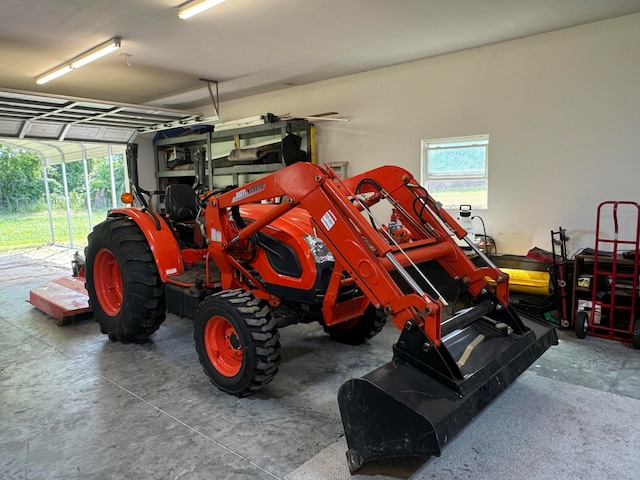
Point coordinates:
pixel 107 280
pixel 349 323
pixel 223 347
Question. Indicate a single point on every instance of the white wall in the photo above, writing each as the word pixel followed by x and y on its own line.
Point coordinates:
pixel 562 110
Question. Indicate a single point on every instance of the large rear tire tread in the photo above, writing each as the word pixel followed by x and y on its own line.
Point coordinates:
pixel 142 310
pixel 257 336
pixel 357 332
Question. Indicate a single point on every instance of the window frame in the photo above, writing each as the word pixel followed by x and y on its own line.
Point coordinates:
pixel 451 142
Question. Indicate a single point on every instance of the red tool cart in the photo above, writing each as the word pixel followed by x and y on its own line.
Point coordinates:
pixel 615 303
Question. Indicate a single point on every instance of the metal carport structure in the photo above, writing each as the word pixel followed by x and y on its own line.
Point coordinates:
pixel 61 130
pixel 62 153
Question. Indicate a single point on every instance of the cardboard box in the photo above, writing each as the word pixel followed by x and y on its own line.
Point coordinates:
pixel 177 156
pixel 587 306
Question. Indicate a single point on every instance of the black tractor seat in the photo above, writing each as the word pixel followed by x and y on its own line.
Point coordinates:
pixel 181 203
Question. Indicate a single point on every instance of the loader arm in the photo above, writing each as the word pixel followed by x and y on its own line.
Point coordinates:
pixel 424 217
pixel 359 248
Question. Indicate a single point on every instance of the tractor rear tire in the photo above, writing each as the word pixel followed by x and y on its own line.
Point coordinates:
pixel 237 341
pixel 125 290
pixel 358 330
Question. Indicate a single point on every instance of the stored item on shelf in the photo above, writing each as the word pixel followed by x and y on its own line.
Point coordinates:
pixel 248 155
pixel 587 306
pixel 177 156
pixel 585 281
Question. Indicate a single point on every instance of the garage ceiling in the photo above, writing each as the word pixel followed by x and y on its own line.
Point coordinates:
pixel 255 46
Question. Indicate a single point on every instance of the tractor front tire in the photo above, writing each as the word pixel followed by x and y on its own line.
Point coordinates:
pixel 122 280
pixel 237 341
pixel 358 330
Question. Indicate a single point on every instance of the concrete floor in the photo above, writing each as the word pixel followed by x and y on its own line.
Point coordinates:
pixel 74 405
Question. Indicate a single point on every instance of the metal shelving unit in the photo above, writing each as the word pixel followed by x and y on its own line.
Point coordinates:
pixel 214 170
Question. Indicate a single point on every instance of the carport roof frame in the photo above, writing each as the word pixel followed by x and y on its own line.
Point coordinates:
pixel 55 153
pixel 46 117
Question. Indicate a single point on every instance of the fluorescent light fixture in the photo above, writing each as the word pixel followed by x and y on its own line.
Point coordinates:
pixel 87 57
pixel 195 7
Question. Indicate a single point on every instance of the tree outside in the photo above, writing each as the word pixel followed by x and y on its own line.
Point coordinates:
pixel 21 184
pixel 24 219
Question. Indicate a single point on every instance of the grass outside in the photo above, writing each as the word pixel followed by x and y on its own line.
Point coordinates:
pixel 452 194
pixel 25 230
pixel 454 199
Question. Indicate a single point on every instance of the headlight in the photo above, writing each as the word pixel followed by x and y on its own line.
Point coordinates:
pixel 319 249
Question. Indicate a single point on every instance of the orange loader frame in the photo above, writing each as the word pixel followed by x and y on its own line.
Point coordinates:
pixel 359 248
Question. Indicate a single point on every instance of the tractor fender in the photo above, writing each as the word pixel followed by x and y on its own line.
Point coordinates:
pixel 162 242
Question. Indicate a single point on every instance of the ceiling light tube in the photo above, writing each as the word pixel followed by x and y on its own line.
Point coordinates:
pixel 87 57
pixel 193 8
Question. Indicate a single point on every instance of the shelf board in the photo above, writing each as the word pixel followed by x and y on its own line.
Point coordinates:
pixel 198 138
pixel 589 259
pixel 177 173
pixel 253 168
pixel 623 293
pixel 258 130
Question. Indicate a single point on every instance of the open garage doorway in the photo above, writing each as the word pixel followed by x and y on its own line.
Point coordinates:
pixel 55 192
pixel 75 151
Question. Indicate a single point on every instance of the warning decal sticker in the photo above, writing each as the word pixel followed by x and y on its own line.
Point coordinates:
pixel 329 219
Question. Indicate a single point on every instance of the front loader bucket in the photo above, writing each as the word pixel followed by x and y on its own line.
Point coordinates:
pixel 413 406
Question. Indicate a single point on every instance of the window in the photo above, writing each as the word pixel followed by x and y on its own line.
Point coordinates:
pixel 454 170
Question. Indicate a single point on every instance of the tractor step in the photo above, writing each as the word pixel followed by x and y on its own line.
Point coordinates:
pixel 65 299
pixel 401 409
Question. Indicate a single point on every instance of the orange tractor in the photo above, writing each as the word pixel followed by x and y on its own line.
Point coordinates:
pixel 301 245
